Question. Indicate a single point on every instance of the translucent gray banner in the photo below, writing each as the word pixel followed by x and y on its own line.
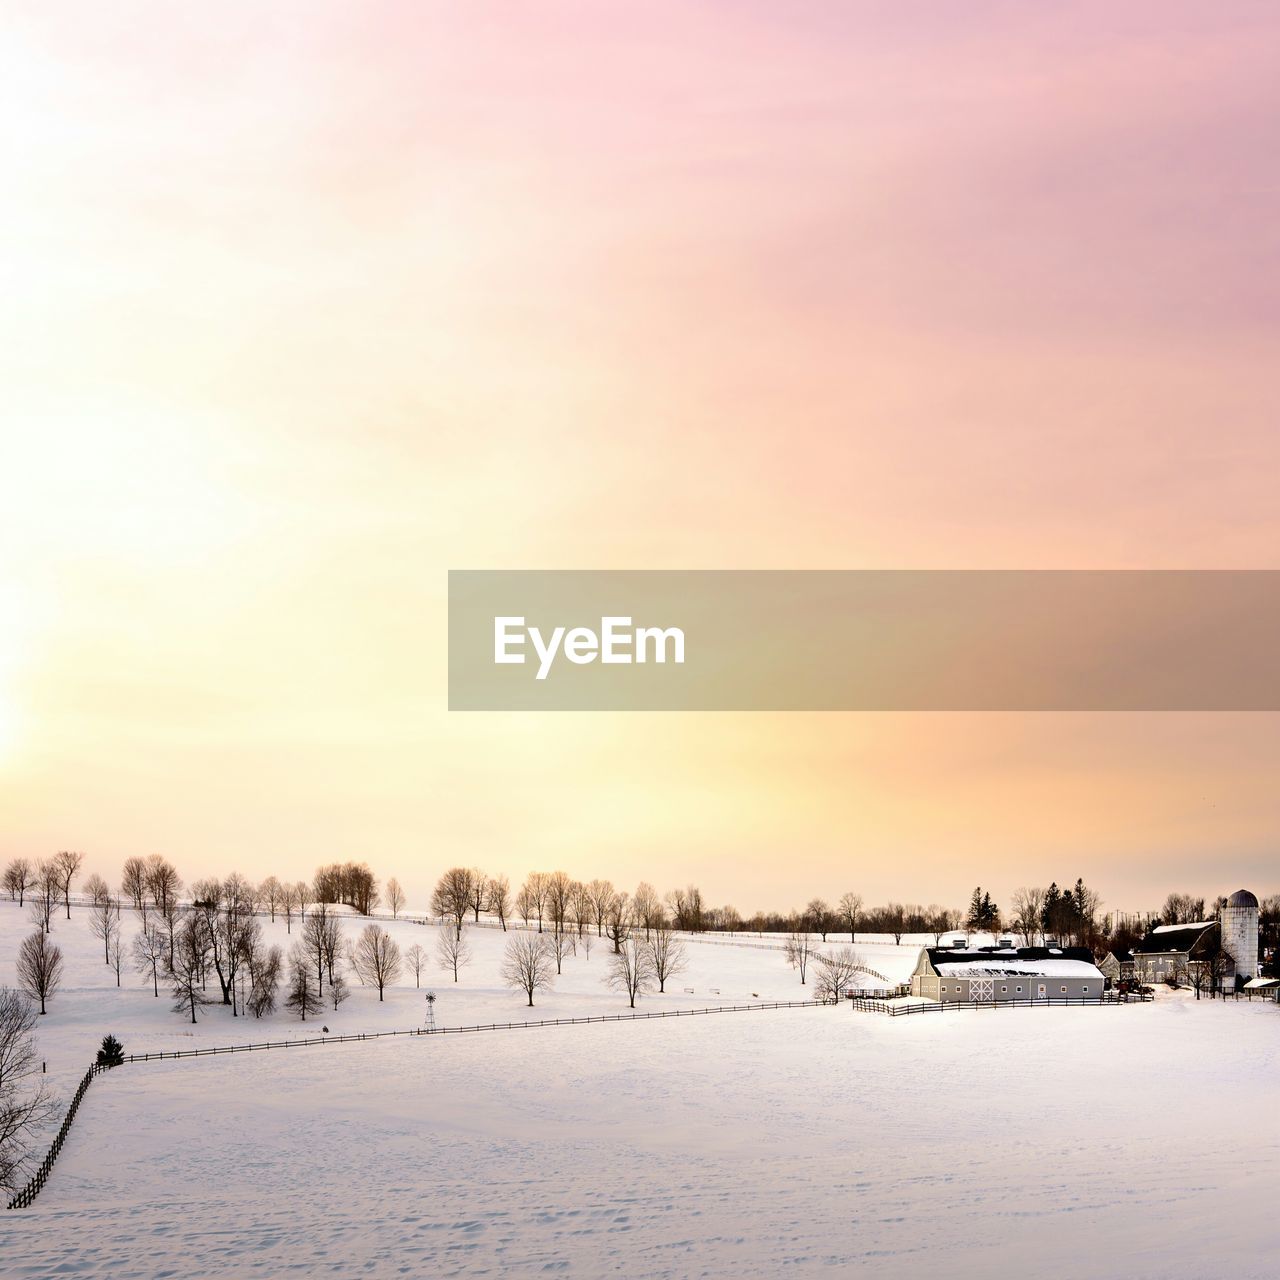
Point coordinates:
pixel 565 640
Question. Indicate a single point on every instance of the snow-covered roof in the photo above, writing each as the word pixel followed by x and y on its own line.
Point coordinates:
pixel 1174 938
pixel 1261 984
pixel 994 967
pixel 1027 962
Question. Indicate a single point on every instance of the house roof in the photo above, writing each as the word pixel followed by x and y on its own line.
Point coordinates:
pixel 1123 956
pixel 1173 938
pixel 1042 962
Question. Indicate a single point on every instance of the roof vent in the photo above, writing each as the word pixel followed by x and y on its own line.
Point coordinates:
pixel 1006 942
pixel 958 944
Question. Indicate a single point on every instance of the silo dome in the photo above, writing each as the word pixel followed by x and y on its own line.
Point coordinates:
pixel 1242 898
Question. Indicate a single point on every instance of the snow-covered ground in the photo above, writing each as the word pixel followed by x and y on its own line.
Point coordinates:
pixel 1126 1141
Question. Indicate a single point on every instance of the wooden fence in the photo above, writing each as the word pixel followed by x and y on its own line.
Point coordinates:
pixel 33 1188
pixel 41 1175
pixel 172 1054
pixel 901 1008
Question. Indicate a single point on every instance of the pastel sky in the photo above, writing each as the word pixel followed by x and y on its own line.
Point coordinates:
pixel 306 304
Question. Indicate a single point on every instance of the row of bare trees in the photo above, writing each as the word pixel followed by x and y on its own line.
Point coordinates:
pixel 640 963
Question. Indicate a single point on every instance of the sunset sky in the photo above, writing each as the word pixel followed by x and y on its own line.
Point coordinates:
pixel 306 304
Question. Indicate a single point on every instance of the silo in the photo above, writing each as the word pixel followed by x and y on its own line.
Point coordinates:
pixel 1240 932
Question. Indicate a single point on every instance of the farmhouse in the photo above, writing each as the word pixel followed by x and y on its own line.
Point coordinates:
pixel 1170 952
pixel 1224 951
pixel 985 975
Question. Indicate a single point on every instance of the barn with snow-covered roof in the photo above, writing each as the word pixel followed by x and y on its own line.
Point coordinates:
pixel 1170 952
pixel 994 975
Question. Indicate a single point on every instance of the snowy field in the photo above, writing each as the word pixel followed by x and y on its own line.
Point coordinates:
pixel 1138 1141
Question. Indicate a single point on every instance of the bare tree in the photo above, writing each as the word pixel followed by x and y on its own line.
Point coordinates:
pixel 1216 962
pixel 850 908
pixel 227 908
pixel 115 949
pixel 836 972
pixel 44 895
pixel 940 920
pixel 582 910
pixel 535 893
pixel 150 949
pixel 104 920
pixel 558 890
pixel 667 955
pixel 452 896
pixel 395 897
pixel 339 989
pixel 618 921
pixel 631 970
pixel 499 903
pixel 524 904
pixel 171 916
pixel 24 1102
pixel 894 917
pixel 479 892
pixel 264 981
pixel 452 951
pixel 322 936
pixel 599 894
pixel 799 947
pixel 416 959
pixel 162 882
pixel 271 894
pixel 527 965
pixel 39 967
pixel 97 889
pixel 1028 914
pixel 17 876
pixel 304 994
pixel 587 942
pixel 818 916
pixel 288 905
pixel 376 958
pixel 1182 908
pixel 647 907
pixel 67 864
pixel 133 881
pixel 560 944
pixel 188 966
pixel 303 896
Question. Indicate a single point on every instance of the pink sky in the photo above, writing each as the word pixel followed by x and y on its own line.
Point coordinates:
pixel 309 304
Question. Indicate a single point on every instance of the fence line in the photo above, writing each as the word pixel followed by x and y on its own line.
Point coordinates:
pixel 896 1009
pixel 41 1175
pixel 172 1054
pixel 33 1188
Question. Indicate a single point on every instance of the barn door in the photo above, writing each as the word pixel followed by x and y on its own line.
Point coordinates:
pixel 982 989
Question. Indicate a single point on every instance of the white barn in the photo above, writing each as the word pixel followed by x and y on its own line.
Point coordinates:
pixel 993 975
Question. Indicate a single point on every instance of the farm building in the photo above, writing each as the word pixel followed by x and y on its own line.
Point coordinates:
pixel 1227 950
pixel 1117 967
pixel 982 975
pixel 1171 952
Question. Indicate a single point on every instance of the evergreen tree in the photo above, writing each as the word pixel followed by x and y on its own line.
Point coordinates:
pixel 974 919
pixel 112 1052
